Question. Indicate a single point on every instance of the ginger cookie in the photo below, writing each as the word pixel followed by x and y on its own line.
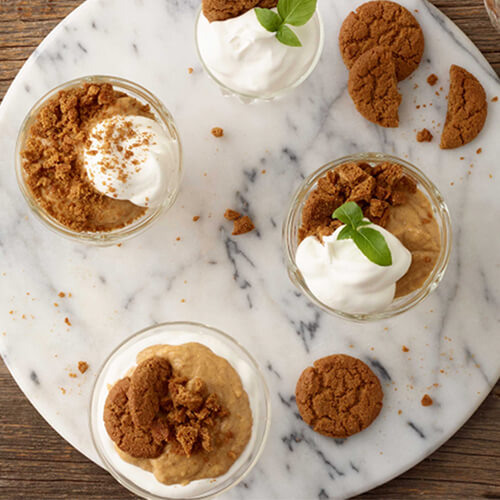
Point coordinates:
pixel 121 428
pixel 373 87
pixel 339 396
pixel 383 23
pixel 147 384
pixel 467 109
pixel 220 10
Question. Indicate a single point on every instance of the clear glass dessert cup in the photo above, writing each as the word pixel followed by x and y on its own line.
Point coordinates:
pixel 104 238
pixel 265 96
pixel 439 209
pixel 493 10
pixel 143 483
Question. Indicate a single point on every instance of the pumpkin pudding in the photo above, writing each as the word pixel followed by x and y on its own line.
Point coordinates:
pixel 181 414
pixel 96 159
pixel 336 270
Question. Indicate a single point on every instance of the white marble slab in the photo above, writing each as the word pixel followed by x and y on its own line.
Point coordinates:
pixel 240 284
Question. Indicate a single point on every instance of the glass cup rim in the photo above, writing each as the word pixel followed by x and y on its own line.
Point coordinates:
pixel 210 331
pixel 289 236
pixel 249 97
pixel 134 228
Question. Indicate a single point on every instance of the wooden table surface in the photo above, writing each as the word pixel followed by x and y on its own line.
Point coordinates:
pixel 36 463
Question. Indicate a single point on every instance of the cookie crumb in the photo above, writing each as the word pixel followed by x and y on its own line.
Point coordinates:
pixel 432 79
pixel 217 132
pixel 230 214
pixel 243 225
pixel 424 135
pixel 62 295
pixel 196 218
pixel 190 70
pixel 263 171
pixel 72 375
pixel 178 238
pixel 399 412
pixel 479 151
pixel 427 400
pixel 67 321
pixel 83 366
pixel 494 99
pixel 405 349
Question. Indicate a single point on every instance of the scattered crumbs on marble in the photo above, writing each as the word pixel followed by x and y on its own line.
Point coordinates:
pixel 67 321
pixel 372 348
pixel 204 174
pixel 415 86
pixel 83 366
pixel 119 245
pixel 381 453
pixel 494 99
pixel 178 238
pixel 435 384
pixel 263 171
pixel 190 71
pixel 11 312
pixel 395 388
pixel 63 390
pixel 400 411
pixel 386 329
pixel 217 132
pixel 405 349
pixel 196 218
pixel 183 301
pixel 56 304
pixel 351 346
pixel 441 371
pixel 62 295
pixel 4 333
pixel 72 375
pixel 437 93
pixel 452 183
pixel 417 106
pixel 23 316
pixel 490 176
pixel 426 400
pixel 479 151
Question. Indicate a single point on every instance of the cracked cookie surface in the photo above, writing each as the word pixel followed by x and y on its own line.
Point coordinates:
pixel 382 23
pixel 149 380
pixel 220 10
pixel 121 428
pixel 373 87
pixel 339 396
pixel 467 109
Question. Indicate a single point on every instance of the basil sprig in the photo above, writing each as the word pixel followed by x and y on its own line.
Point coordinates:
pixel 370 241
pixel 293 12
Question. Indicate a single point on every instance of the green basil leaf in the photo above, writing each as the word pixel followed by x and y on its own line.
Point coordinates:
pixel 346 233
pixel 349 213
pixel 373 245
pixel 286 36
pixel 364 223
pixel 268 19
pixel 296 12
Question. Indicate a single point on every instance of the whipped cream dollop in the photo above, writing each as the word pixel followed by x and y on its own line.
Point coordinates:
pixel 131 158
pixel 247 58
pixel 340 276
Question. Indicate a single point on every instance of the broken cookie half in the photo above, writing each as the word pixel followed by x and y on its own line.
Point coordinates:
pixel 373 87
pixel 467 109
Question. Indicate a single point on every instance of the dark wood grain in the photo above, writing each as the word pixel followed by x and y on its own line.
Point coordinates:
pixel 35 463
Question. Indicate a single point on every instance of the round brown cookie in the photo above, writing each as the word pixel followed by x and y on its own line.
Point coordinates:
pixel 339 396
pixel 120 427
pixel 467 109
pixel 374 88
pixel 220 10
pixel 383 23
pixel 148 384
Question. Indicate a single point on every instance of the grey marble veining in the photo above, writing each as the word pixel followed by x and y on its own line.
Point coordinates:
pixel 240 284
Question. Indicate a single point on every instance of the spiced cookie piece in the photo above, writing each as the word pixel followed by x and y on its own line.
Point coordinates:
pixel 339 396
pixel 387 24
pixel 148 384
pixel 121 428
pixel 220 10
pixel 467 109
pixel 373 87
